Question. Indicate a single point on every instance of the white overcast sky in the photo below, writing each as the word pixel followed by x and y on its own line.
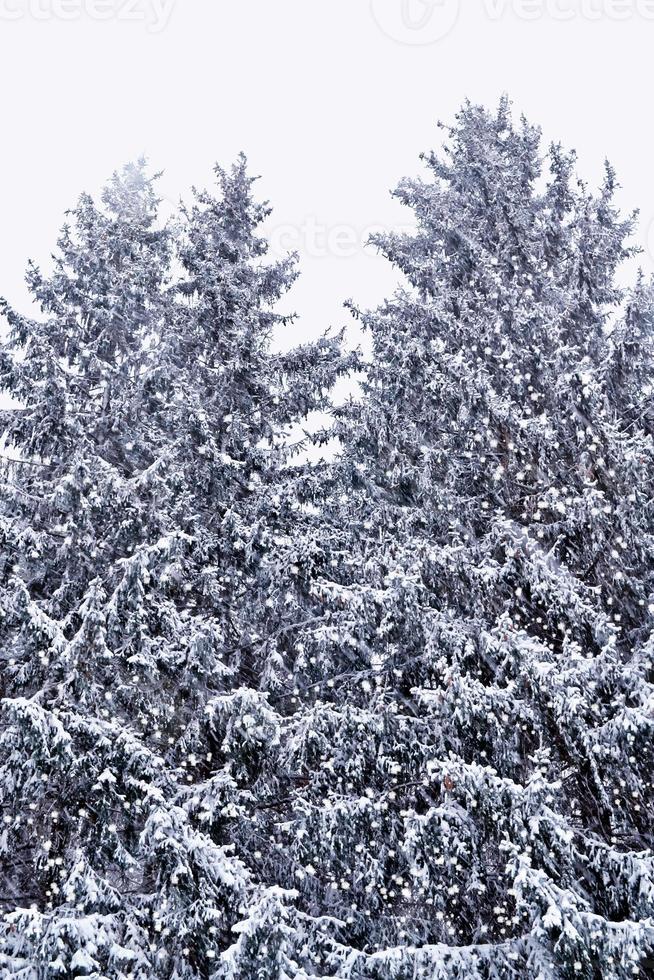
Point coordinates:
pixel 332 100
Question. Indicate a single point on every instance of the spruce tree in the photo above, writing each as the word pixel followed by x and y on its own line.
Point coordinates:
pixel 146 473
pixel 468 760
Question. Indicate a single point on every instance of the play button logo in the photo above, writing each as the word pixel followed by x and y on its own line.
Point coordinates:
pixel 416 21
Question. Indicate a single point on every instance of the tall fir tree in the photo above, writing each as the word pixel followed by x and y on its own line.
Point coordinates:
pixel 146 473
pixel 467 756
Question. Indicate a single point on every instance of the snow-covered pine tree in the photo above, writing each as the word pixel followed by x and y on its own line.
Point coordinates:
pixel 465 767
pixel 145 475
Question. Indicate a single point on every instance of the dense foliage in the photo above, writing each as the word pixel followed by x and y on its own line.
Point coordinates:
pixel 386 718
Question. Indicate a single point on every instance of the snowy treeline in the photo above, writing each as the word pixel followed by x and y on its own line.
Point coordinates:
pixel 384 718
